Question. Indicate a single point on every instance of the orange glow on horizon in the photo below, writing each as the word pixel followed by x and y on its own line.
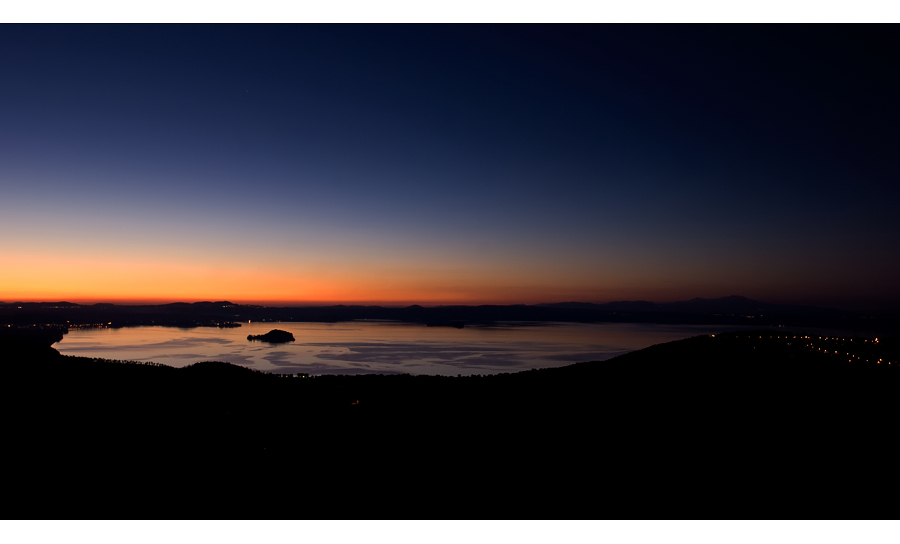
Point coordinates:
pixel 158 279
pixel 26 278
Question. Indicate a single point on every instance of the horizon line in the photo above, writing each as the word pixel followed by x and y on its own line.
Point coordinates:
pixel 387 304
pixel 853 303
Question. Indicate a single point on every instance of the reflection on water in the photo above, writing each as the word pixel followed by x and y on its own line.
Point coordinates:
pixel 365 346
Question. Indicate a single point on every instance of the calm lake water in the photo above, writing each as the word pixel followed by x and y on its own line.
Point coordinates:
pixel 383 347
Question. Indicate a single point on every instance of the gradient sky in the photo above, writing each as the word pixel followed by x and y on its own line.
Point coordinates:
pixel 449 164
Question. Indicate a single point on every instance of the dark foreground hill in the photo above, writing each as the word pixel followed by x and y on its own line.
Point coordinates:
pixel 737 425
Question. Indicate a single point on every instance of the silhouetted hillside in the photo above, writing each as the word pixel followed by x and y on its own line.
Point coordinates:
pixel 734 411
pixel 30 341
pixel 732 306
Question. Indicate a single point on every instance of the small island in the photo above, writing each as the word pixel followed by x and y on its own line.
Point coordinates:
pixel 274 336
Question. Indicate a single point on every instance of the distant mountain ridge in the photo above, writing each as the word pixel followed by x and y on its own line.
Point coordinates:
pixel 731 305
pixel 733 310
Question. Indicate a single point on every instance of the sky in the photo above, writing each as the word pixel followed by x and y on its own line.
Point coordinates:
pixel 449 164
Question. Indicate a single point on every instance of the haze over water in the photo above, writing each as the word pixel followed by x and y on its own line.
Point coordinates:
pixel 380 347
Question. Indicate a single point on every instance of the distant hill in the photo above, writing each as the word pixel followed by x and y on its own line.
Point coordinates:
pixel 733 310
pixel 732 305
pixel 621 306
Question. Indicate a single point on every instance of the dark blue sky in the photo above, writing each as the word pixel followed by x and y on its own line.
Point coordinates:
pixel 440 163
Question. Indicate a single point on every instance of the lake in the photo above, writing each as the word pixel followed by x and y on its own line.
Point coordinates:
pixel 380 347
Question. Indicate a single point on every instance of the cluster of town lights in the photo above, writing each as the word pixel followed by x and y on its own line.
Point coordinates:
pixel 834 351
